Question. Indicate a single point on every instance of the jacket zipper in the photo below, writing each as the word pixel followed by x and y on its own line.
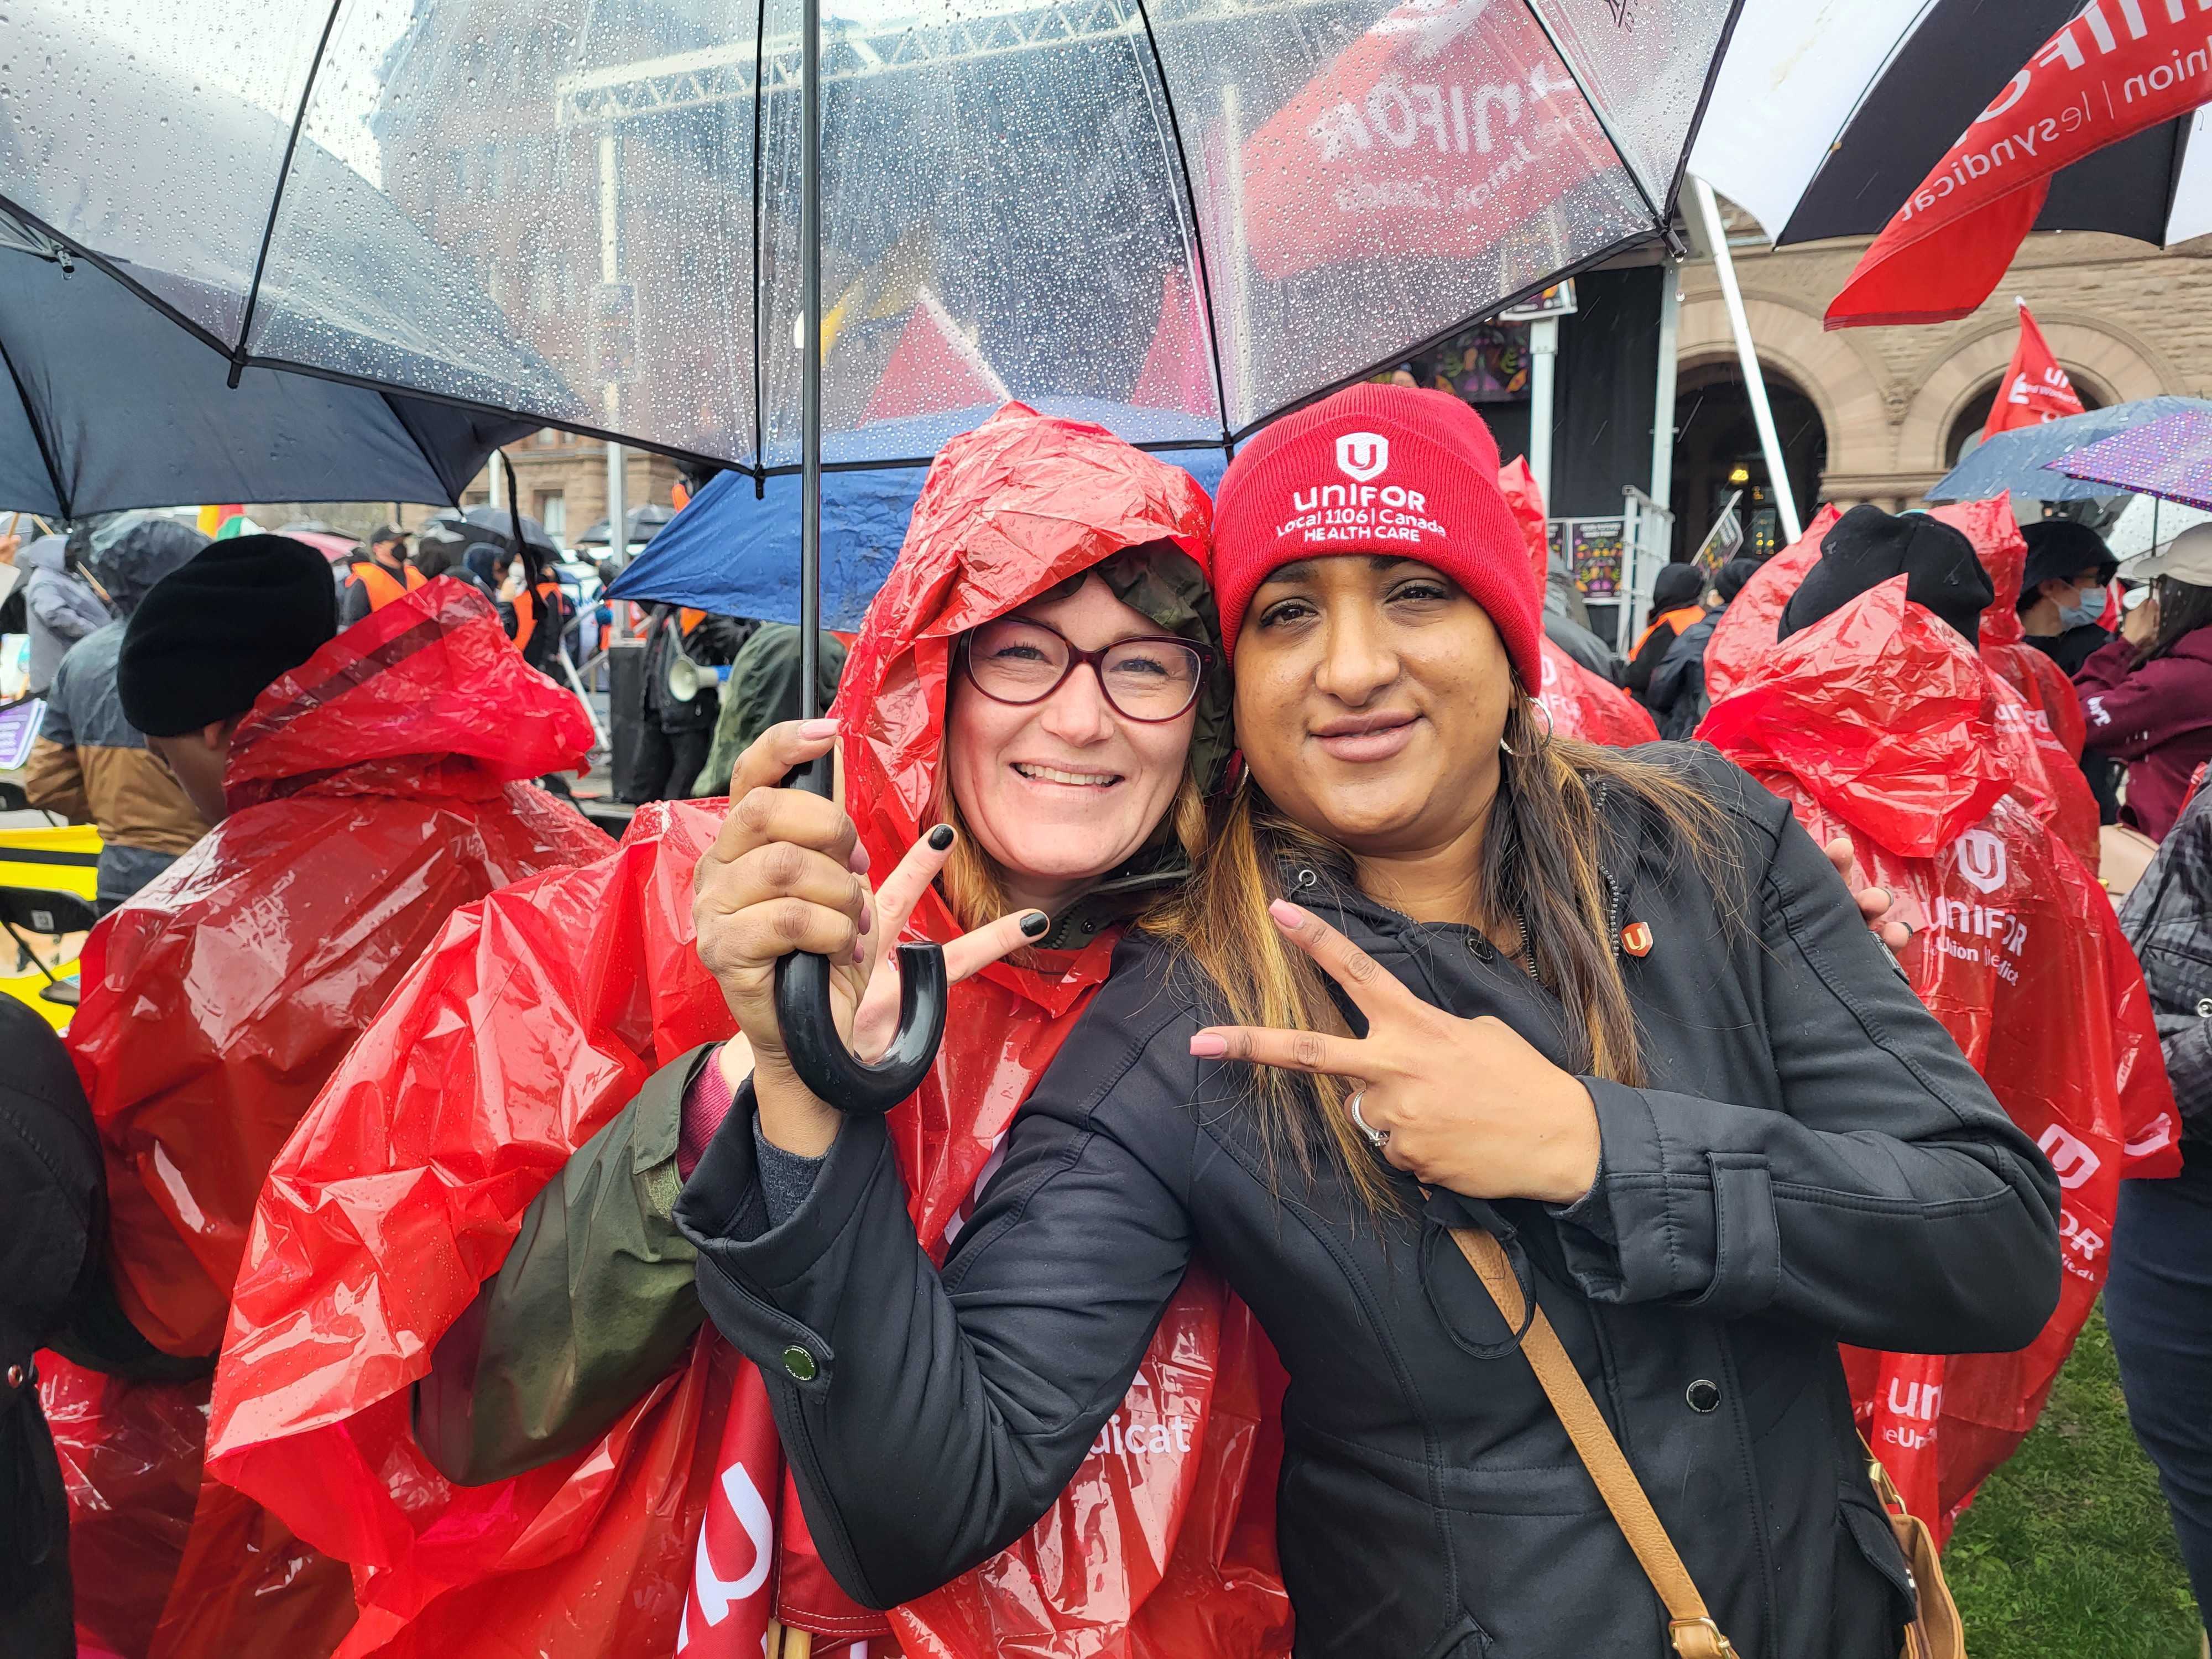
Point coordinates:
pixel 1613 899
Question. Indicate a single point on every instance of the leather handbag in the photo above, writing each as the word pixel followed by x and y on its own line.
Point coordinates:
pixel 1933 1634
pixel 1936 1631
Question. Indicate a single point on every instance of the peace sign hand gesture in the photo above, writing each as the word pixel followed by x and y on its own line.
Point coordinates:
pixel 1467 1104
pixel 788 872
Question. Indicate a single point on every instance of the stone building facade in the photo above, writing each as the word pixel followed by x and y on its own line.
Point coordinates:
pixel 1895 406
pixel 562 481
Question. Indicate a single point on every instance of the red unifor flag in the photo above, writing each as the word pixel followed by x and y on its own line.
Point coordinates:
pixel 731 1596
pixel 2120 67
pixel 1444 125
pixel 2034 388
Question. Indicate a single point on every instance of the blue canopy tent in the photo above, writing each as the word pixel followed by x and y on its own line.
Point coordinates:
pixel 735 552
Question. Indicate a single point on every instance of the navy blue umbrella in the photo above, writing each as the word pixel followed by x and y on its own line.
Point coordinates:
pixel 2017 460
pixel 107 405
pixel 735 552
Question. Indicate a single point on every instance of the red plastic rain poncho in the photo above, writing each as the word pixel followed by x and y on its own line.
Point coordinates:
pixel 537 1015
pixel 1879 723
pixel 373 791
pixel 1743 639
pixel 2029 725
pixel 2039 679
pixel 1580 704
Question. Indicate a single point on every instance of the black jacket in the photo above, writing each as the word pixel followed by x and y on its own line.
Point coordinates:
pixel 1585 647
pixel 1677 693
pixel 2168 919
pixel 1813 1162
pixel 51 1188
pixel 54 1293
pixel 2072 647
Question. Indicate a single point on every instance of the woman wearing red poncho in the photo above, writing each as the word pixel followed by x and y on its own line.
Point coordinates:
pixel 1875 718
pixel 560 1033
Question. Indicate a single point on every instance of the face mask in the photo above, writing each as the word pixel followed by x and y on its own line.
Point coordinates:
pixel 2091 607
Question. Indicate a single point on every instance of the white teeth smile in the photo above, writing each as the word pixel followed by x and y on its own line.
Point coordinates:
pixel 1053 774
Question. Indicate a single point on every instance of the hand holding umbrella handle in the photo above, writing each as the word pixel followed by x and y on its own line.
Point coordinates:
pixel 817 1049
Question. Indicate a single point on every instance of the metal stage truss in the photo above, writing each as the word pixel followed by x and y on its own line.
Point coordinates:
pixel 723 74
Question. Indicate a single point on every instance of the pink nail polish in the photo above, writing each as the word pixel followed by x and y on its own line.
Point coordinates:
pixel 815 731
pixel 1206 1046
pixel 1287 913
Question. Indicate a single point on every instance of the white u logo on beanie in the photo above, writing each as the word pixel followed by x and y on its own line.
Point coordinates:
pixel 1361 455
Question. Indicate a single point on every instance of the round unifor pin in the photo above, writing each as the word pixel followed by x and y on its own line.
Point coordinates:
pixel 1636 939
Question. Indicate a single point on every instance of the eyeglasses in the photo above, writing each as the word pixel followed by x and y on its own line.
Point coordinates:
pixel 1015 661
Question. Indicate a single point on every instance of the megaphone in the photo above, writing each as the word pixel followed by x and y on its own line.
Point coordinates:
pixel 687 679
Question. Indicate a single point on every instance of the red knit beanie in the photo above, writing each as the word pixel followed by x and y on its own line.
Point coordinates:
pixel 1378 469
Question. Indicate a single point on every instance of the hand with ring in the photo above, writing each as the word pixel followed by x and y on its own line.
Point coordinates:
pixel 1469 1104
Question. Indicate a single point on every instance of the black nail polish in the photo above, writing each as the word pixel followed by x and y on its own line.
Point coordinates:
pixel 1035 923
pixel 940 838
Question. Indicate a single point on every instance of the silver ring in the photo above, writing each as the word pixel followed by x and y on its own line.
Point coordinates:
pixel 1378 1139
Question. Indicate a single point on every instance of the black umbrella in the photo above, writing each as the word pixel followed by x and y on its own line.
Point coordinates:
pixel 106 406
pixel 1826 118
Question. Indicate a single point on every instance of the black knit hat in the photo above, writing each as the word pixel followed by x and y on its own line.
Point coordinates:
pixel 1869 547
pixel 1675 587
pixel 215 634
pixel 2062 549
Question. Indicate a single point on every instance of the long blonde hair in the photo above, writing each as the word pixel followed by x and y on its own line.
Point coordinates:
pixel 1541 862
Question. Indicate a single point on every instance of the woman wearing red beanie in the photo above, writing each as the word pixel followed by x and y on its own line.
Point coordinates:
pixel 1455 1016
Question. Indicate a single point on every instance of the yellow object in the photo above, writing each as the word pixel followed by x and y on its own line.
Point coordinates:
pixel 25 989
pixel 65 858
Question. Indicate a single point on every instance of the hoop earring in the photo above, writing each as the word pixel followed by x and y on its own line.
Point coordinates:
pixel 1505 748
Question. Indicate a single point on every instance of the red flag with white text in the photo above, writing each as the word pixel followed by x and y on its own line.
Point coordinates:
pixel 2034 388
pixel 2118 68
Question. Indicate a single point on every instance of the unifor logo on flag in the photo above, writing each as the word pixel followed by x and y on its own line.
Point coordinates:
pixel 2119 68
pixel 2034 388
pixel 731 1595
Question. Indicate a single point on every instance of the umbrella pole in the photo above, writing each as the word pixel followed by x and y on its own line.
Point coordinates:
pixel 1754 382
pixel 810 263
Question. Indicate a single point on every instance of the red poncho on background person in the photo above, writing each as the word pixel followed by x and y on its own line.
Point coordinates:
pixel 1580 704
pixel 2034 732
pixel 1875 720
pixel 1996 536
pixel 534 1023
pixel 365 794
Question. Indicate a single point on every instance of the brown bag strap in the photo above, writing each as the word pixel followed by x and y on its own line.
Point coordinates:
pixel 1688 1625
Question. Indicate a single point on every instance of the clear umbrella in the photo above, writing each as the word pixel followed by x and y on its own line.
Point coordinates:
pixel 802 225
pixel 587 212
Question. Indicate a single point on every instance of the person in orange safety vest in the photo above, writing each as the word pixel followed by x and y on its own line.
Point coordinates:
pixel 378 578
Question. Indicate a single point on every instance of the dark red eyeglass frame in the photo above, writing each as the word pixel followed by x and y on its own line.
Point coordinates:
pixel 1078 657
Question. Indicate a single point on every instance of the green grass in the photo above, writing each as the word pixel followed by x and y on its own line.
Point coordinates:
pixel 2068 1550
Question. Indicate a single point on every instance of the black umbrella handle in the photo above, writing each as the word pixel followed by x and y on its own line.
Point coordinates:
pixel 818 1049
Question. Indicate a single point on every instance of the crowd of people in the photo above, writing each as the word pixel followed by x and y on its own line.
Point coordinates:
pixel 1366 1045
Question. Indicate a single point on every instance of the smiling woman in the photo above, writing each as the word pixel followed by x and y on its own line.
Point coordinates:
pixel 1467 1056
pixel 1061 774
